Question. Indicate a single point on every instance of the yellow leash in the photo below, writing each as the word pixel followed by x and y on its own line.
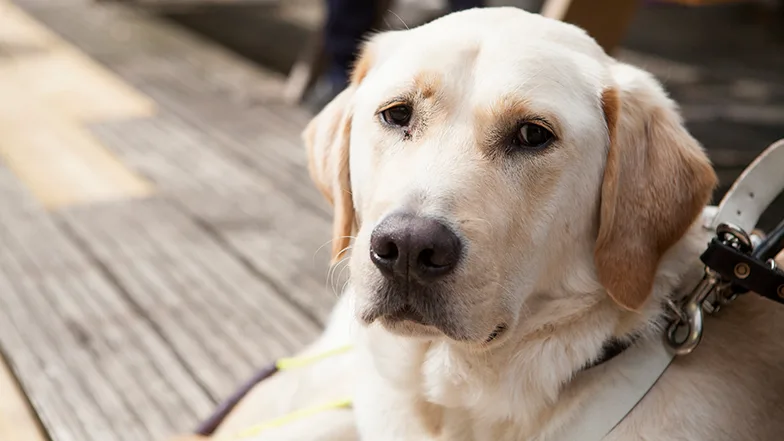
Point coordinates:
pixel 284 364
pixel 296 362
pixel 293 416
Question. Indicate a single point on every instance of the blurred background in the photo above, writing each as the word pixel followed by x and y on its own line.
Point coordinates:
pixel 160 239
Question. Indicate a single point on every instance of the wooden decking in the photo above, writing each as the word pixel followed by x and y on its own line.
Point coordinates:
pixel 127 316
pixel 159 236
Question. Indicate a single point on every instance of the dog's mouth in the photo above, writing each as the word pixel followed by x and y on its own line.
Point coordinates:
pixel 425 313
pixel 407 313
pixel 410 322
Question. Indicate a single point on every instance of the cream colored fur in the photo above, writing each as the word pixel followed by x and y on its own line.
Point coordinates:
pixel 567 247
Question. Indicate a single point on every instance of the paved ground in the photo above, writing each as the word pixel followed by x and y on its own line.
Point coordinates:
pixel 159 237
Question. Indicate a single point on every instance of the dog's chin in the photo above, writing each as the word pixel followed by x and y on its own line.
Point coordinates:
pixel 408 328
pixel 426 321
pixel 418 330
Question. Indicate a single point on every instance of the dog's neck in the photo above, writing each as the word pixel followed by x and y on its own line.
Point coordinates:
pixel 522 384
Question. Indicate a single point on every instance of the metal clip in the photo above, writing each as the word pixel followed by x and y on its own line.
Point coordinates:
pixel 735 237
pixel 685 332
pixel 722 296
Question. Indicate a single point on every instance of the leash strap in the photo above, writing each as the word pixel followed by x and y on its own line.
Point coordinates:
pixel 283 364
pixel 211 423
pixel 297 362
pixel 344 403
pixel 743 271
pixel 636 370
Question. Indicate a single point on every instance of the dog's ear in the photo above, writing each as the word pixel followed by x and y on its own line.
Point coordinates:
pixel 327 139
pixel 657 179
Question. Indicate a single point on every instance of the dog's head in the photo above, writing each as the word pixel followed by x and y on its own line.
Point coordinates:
pixel 493 156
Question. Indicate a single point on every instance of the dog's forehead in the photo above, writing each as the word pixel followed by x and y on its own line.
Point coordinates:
pixel 492 52
pixel 494 29
pixel 512 25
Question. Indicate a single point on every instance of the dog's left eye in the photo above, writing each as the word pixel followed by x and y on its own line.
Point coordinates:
pixel 399 115
pixel 532 135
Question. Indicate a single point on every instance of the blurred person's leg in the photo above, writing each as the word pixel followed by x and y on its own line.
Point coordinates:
pixel 348 21
pixel 459 5
pixel 347 24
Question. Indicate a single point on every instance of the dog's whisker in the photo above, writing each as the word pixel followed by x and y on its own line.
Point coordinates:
pixel 315 253
pixel 398 17
pixel 345 267
pixel 335 281
pixel 331 279
pixel 319 249
pixel 345 284
pixel 331 273
pixel 328 283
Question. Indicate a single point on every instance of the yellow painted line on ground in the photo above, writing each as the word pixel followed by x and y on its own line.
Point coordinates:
pixel 49 91
pixel 17 421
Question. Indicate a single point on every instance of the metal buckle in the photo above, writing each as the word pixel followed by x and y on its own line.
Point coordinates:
pixel 685 331
pixel 709 296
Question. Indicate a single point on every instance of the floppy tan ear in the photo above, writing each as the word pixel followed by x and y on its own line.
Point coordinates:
pixel 656 181
pixel 327 139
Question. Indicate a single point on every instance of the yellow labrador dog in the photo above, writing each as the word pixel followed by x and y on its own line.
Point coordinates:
pixel 517 199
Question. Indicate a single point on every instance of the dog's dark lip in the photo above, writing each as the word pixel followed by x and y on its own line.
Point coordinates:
pixel 400 315
pixel 407 313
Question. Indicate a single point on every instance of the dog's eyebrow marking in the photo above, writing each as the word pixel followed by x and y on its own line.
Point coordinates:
pixel 428 83
pixel 496 122
pixel 403 98
pixel 510 110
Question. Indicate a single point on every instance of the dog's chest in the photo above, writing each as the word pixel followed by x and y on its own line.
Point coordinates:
pixel 481 401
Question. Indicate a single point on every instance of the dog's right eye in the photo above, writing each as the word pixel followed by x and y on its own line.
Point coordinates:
pixel 533 136
pixel 399 115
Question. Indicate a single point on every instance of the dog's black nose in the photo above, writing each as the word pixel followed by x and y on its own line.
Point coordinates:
pixel 412 247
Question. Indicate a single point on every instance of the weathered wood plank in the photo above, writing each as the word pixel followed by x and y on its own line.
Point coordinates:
pixel 181 277
pixel 222 97
pixel 289 247
pixel 175 156
pixel 143 47
pixel 225 190
pixel 93 367
pixel 221 319
pixel 34 98
pixel 211 137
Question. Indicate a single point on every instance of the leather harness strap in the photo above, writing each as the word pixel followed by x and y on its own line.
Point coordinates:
pixel 754 190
